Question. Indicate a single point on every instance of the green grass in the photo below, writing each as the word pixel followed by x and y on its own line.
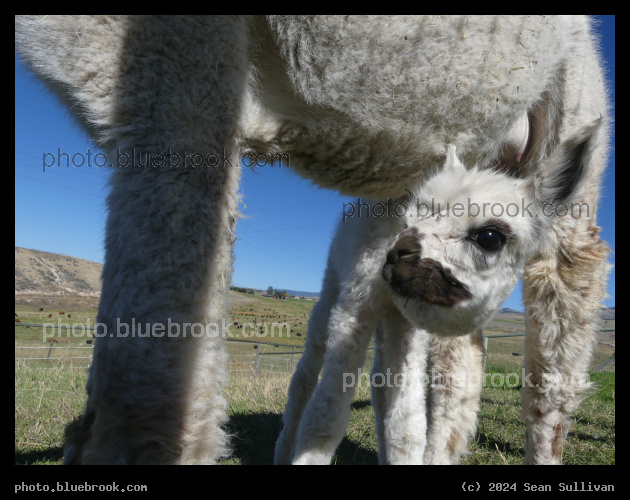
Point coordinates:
pixel 500 430
pixel 50 395
pixel 47 400
pixel 259 313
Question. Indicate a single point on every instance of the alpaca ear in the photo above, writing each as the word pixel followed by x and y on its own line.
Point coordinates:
pixel 452 162
pixel 563 176
pixel 515 145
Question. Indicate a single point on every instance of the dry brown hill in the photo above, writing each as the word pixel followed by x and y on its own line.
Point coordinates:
pixel 38 272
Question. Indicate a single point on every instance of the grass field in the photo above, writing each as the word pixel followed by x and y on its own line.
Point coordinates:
pixel 50 395
pixel 46 401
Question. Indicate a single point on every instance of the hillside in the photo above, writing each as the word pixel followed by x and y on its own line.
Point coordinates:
pixel 605 313
pixel 38 272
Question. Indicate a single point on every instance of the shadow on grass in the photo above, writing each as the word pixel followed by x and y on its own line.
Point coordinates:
pixel 351 452
pixel 358 405
pixel 49 456
pixel 39 457
pixel 503 446
pixel 253 439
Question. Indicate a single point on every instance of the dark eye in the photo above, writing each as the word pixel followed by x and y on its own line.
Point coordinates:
pixel 489 239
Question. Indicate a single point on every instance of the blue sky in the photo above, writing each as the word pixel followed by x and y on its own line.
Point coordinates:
pixel 288 225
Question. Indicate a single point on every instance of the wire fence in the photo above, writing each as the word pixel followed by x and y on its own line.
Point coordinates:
pixel 504 353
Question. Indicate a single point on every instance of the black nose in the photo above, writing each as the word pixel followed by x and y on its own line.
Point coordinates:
pixel 411 276
pixel 408 245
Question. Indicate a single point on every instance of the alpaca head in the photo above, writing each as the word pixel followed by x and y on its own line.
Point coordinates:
pixel 468 233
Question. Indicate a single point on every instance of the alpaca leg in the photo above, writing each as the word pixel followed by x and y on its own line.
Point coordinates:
pixel 156 382
pixel 565 286
pixel 327 413
pixel 401 384
pixel 168 262
pixel 143 91
pixel 456 376
pixel 300 390
pixel 562 299
pixel 305 378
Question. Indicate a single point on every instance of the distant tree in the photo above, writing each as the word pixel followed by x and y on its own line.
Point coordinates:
pixel 270 290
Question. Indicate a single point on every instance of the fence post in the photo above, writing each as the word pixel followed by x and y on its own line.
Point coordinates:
pixel 257 362
pixel 49 350
pixel 292 356
pixel 485 349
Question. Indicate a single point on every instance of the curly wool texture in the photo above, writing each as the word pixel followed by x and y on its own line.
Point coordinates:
pixel 363 105
pixel 414 327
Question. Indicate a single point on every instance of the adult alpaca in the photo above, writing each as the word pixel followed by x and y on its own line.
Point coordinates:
pixel 362 105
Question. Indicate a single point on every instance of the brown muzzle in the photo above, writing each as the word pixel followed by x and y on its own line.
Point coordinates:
pixel 409 275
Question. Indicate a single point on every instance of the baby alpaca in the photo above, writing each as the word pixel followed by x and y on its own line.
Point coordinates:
pixel 440 265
